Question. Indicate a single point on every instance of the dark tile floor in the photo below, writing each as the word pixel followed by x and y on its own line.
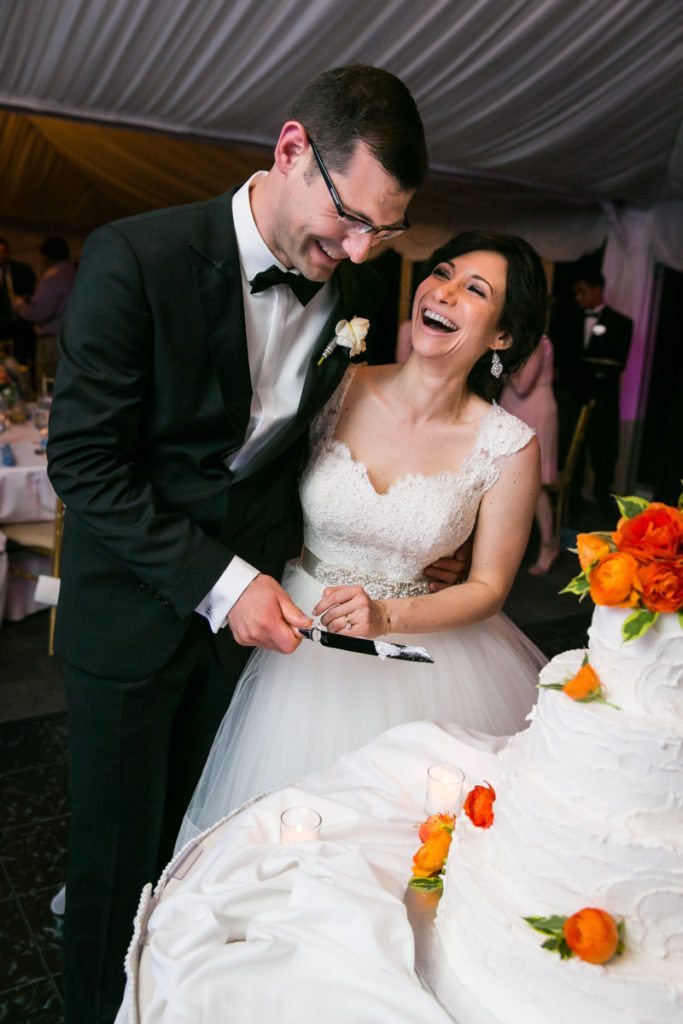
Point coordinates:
pixel 33 746
pixel 32 864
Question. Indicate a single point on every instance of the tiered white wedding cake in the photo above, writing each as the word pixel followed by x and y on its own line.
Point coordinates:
pixel 588 813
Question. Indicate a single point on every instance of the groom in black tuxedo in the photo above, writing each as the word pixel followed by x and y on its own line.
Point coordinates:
pixel 186 384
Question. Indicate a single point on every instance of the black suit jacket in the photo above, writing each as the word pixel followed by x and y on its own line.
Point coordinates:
pixel 23 284
pixel 153 392
pixel 576 367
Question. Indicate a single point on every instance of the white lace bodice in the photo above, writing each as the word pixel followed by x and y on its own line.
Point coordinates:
pixel 348 523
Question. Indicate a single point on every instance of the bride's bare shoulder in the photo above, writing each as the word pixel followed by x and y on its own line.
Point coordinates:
pixel 369 378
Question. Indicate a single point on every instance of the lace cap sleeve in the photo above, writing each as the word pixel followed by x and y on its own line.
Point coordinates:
pixel 504 434
pixel 323 424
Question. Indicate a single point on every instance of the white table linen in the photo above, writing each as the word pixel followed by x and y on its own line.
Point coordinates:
pixel 26 494
pixel 256 930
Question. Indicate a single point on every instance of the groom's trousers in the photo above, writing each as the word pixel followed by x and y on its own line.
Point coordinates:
pixel 136 751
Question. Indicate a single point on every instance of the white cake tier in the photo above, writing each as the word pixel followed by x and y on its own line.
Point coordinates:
pixel 645 676
pixel 605 763
pixel 553 859
pixel 499 958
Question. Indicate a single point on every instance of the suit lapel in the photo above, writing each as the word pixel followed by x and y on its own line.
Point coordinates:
pixel 216 271
pixel 320 381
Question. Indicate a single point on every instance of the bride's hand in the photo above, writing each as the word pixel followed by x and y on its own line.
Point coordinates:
pixel 349 610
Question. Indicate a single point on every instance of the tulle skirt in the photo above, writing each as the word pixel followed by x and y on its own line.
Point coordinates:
pixel 295 714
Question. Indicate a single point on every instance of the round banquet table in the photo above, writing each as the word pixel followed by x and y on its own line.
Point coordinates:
pixel 243 928
pixel 26 494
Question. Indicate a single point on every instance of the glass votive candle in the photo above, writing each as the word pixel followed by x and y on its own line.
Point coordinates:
pixel 299 825
pixel 444 786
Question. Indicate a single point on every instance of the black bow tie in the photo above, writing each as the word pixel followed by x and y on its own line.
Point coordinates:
pixel 301 286
pixel 592 312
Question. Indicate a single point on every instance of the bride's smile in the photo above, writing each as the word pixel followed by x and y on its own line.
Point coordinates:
pixel 458 306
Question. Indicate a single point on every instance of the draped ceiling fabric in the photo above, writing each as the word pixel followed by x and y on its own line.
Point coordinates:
pixel 557 119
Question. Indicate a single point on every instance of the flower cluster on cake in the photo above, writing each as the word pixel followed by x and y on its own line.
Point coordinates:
pixel 569 903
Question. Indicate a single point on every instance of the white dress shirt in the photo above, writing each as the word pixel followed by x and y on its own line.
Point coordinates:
pixel 589 322
pixel 280 334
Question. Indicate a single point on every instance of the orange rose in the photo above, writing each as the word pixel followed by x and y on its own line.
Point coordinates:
pixel 592 934
pixel 479 805
pixel 662 584
pixel 431 856
pixel 585 685
pixel 655 533
pixel 591 547
pixel 614 581
pixel 436 823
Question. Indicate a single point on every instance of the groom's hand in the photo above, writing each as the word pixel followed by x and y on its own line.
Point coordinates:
pixel 446 572
pixel 265 616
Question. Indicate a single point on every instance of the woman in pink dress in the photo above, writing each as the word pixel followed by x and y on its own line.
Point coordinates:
pixel 529 395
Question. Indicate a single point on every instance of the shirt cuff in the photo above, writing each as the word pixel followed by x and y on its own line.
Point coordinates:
pixel 226 592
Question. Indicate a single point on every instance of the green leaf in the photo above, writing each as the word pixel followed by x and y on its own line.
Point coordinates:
pixel 680 617
pixel 579 585
pixel 551 686
pixel 547 925
pixel 638 623
pixel 680 499
pixel 632 505
pixel 426 884
pixel 558 945
pixel 620 945
pixel 599 699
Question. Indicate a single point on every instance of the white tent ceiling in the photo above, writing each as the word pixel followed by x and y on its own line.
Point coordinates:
pixel 537 112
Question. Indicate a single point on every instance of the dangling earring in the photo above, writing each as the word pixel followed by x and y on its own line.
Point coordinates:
pixel 496 365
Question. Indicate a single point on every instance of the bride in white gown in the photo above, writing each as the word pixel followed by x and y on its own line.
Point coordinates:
pixel 405 462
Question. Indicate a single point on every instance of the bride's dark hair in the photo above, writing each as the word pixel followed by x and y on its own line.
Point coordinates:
pixel 524 310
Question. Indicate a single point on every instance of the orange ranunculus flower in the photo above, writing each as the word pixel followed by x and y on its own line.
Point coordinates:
pixel 662 584
pixel 436 823
pixel 592 934
pixel 614 581
pixel 584 685
pixel 479 805
pixel 655 533
pixel 590 548
pixel 431 856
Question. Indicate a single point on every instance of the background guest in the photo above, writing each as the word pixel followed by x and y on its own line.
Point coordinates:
pixel 591 347
pixel 46 308
pixel 529 395
pixel 16 280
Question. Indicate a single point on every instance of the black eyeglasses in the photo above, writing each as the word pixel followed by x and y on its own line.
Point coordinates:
pixel 355 225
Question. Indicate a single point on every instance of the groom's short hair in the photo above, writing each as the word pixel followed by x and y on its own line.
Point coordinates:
pixel 356 103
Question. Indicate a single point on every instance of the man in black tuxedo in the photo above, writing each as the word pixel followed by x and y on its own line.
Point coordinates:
pixel 591 349
pixel 17 280
pixel 186 384
pixel 606 342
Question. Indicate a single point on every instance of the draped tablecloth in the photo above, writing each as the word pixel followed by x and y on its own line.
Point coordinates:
pixel 254 930
pixel 26 494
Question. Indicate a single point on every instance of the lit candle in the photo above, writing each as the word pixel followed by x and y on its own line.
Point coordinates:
pixel 444 786
pixel 299 825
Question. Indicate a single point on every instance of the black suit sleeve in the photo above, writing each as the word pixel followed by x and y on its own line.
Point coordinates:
pixel 102 403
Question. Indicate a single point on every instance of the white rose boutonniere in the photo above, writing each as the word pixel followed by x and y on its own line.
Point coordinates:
pixel 349 334
pixel 599 329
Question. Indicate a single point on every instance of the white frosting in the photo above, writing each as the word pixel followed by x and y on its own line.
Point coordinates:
pixel 589 812
pixel 645 676
pixel 607 764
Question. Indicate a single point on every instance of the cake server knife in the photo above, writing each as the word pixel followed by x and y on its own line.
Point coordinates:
pixel 359 645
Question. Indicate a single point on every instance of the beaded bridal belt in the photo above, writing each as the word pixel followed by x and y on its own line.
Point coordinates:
pixel 375 584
